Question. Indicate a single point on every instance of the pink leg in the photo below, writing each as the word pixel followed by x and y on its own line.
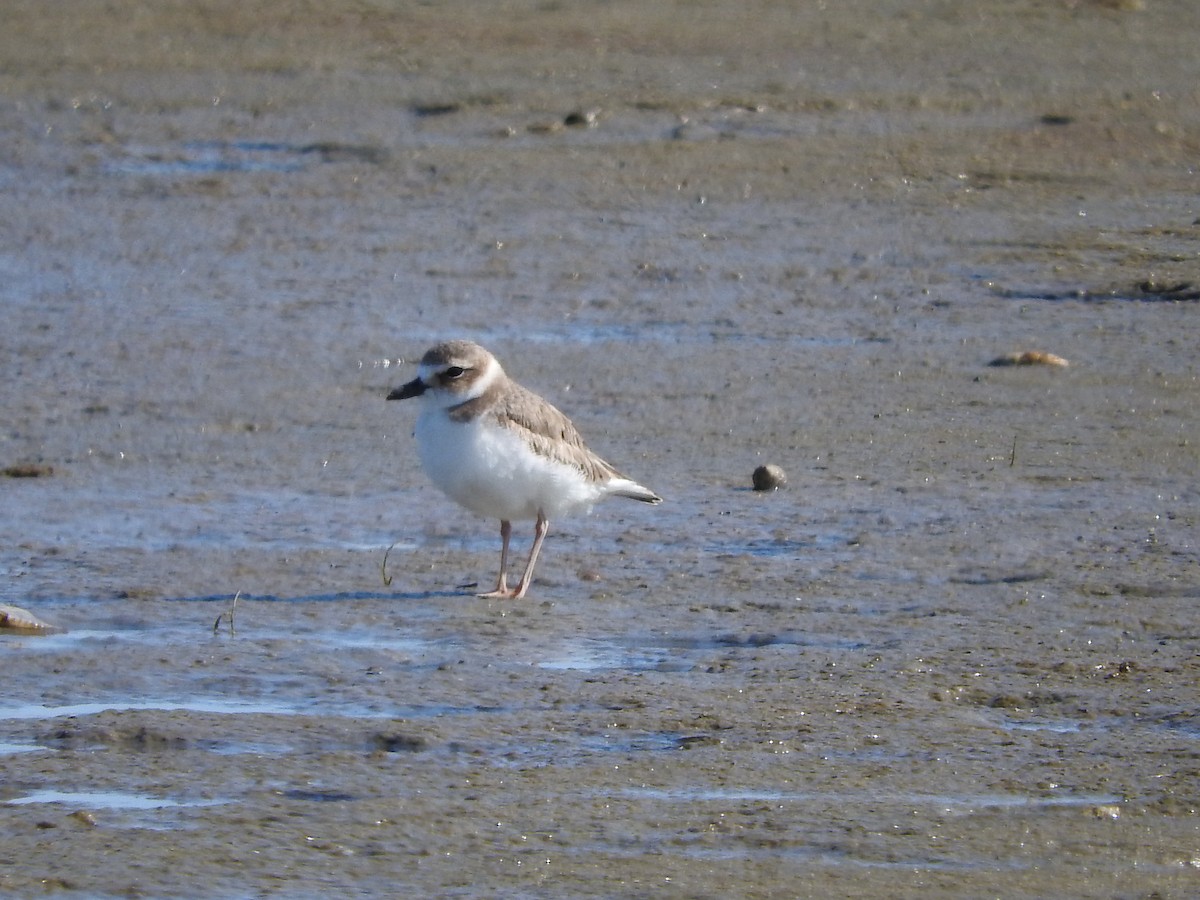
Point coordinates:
pixel 539 534
pixel 502 589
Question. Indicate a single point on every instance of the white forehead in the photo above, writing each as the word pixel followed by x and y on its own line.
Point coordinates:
pixel 426 371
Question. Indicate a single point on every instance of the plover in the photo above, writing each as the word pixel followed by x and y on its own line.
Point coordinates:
pixel 502 451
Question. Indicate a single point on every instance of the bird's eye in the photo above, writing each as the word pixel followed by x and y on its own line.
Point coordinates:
pixel 455 372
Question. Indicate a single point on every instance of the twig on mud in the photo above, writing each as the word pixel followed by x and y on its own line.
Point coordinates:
pixel 227 614
pixel 387 579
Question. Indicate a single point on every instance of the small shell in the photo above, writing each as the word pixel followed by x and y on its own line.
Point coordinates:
pixel 1029 358
pixel 13 618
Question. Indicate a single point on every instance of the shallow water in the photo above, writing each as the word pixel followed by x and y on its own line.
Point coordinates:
pixel 955 656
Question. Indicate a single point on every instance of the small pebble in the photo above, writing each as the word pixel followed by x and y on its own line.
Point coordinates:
pixel 769 478
pixel 581 118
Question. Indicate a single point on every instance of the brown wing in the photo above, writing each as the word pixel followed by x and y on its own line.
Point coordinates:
pixel 550 433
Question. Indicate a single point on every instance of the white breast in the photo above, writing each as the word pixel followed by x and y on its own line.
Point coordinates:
pixel 491 471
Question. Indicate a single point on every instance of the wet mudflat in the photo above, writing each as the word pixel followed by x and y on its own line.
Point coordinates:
pixel 955 656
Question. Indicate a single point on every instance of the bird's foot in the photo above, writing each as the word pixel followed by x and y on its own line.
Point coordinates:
pixel 498 593
pixel 504 592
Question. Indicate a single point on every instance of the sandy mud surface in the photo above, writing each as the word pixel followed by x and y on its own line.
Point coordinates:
pixel 956 656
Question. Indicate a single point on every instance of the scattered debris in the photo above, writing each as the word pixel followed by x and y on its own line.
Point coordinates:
pixel 27 470
pixel 429 110
pixel 1171 290
pixel 228 614
pixel 582 118
pixel 391 742
pixel 1029 358
pixel 387 579
pixel 83 817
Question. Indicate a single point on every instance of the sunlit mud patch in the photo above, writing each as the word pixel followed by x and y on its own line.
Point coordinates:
pixel 7 749
pixel 107 800
pixel 246 748
pixel 589 749
pixel 1065 726
pixel 675 652
pixel 415 648
pixel 1183 724
pixel 599 654
pixel 93 639
pixel 945 803
pixel 650 742
pixel 212 705
pixel 314 796
pixel 216 157
pixel 766 547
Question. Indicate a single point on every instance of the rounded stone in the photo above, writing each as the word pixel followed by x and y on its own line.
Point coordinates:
pixel 769 478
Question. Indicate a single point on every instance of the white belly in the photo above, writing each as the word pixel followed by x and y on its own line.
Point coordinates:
pixel 491 471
